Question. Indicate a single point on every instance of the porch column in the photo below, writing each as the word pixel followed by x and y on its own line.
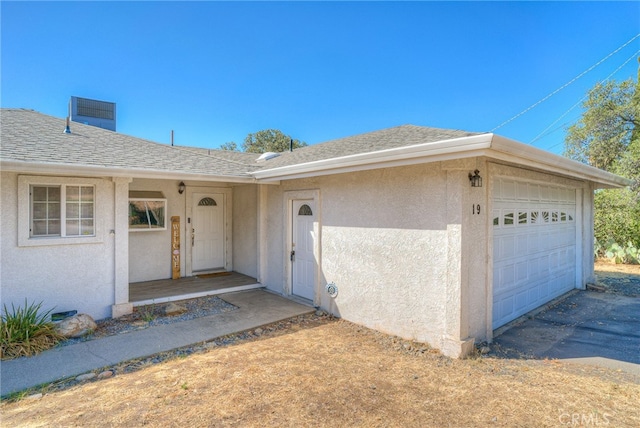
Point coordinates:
pixel 120 236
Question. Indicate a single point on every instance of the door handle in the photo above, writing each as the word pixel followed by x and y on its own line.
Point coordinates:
pixel 292 256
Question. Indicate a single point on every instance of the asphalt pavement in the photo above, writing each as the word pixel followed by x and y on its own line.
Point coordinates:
pixel 587 327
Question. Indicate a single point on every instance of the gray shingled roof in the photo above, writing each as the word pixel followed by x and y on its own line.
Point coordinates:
pixel 230 155
pixel 399 136
pixel 32 137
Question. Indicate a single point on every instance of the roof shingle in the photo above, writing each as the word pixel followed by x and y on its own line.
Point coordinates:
pixel 31 137
pixel 390 138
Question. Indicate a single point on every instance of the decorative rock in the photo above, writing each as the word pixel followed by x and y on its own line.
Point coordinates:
pixel 86 376
pixel 174 309
pixel 485 350
pixel 34 396
pixel 258 331
pixel 105 374
pixel 76 326
pixel 320 313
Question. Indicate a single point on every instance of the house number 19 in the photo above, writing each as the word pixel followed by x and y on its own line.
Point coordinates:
pixel 476 209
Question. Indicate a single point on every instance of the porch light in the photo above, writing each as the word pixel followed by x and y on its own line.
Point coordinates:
pixel 181 187
pixel 475 179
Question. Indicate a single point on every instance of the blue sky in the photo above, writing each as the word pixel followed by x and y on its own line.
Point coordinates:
pixel 216 71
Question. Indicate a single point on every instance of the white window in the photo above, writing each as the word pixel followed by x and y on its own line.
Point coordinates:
pixel 61 211
pixel 57 211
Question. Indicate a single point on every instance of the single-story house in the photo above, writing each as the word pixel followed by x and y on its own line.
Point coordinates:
pixel 435 235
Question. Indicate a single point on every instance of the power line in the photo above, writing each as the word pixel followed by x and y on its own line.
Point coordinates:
pixel 566 84
pixel 635 54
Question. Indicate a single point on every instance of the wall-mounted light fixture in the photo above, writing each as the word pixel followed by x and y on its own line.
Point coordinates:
pixel 181 187
pixel 475 179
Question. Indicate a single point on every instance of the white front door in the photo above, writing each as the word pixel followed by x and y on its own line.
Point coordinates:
pixel 534 246
pixel 303 243
pixel 207 232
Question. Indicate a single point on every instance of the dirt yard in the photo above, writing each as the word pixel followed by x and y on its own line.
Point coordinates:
pixel 603 265
pixel 318 371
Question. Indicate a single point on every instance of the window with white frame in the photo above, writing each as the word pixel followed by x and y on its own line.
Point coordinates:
pixel 61 210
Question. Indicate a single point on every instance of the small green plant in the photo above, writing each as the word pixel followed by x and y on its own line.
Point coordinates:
pixel 26 331
pixel 148 313
pixel 612 250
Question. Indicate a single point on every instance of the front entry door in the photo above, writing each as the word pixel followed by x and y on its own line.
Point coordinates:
pixel 302 246
pixel 207 232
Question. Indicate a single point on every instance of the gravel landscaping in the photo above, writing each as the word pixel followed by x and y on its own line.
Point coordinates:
pixel 619 283
pixel 152 315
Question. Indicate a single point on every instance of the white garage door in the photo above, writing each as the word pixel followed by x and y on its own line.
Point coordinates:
pixel 534 246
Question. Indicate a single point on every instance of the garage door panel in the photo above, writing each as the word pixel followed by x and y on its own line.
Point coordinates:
pixel 522 271
pixel 507 246
pixel 522 244
pixel 522 300
pixel 534 246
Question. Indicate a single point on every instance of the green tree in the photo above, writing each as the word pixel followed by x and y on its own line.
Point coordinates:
pixel 607 136
pixel 601 136
pixel 269 140
pixel 232 146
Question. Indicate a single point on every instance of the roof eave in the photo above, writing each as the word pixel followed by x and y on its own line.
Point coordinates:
pixel 455 148
pixel 509 150
pixel 99 171
pixel 489 145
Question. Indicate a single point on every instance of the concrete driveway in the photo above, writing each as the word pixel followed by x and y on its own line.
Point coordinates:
pixel 586 327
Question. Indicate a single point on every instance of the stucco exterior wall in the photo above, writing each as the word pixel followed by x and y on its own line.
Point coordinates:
pixel 272 271
pixel 588 235
pixel 467 216
pixel 63 277
pixel 150 251
pixel 385 239
pixel 245 224
pixel 409 248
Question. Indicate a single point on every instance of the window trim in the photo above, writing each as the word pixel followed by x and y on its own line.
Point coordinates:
pixel 25 184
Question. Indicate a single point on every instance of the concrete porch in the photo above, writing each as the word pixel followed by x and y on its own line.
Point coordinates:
pixel 168 290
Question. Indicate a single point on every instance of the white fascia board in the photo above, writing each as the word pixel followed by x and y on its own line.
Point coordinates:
pixel 456 148
pixel 512 151
pixel 489 145
pixel 95 171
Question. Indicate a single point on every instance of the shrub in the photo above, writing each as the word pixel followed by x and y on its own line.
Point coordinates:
pixel 617 216
pixel 619 254
pixel 26 331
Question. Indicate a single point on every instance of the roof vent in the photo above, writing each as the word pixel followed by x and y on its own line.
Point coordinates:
pixel 67 129
pixel 266 156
